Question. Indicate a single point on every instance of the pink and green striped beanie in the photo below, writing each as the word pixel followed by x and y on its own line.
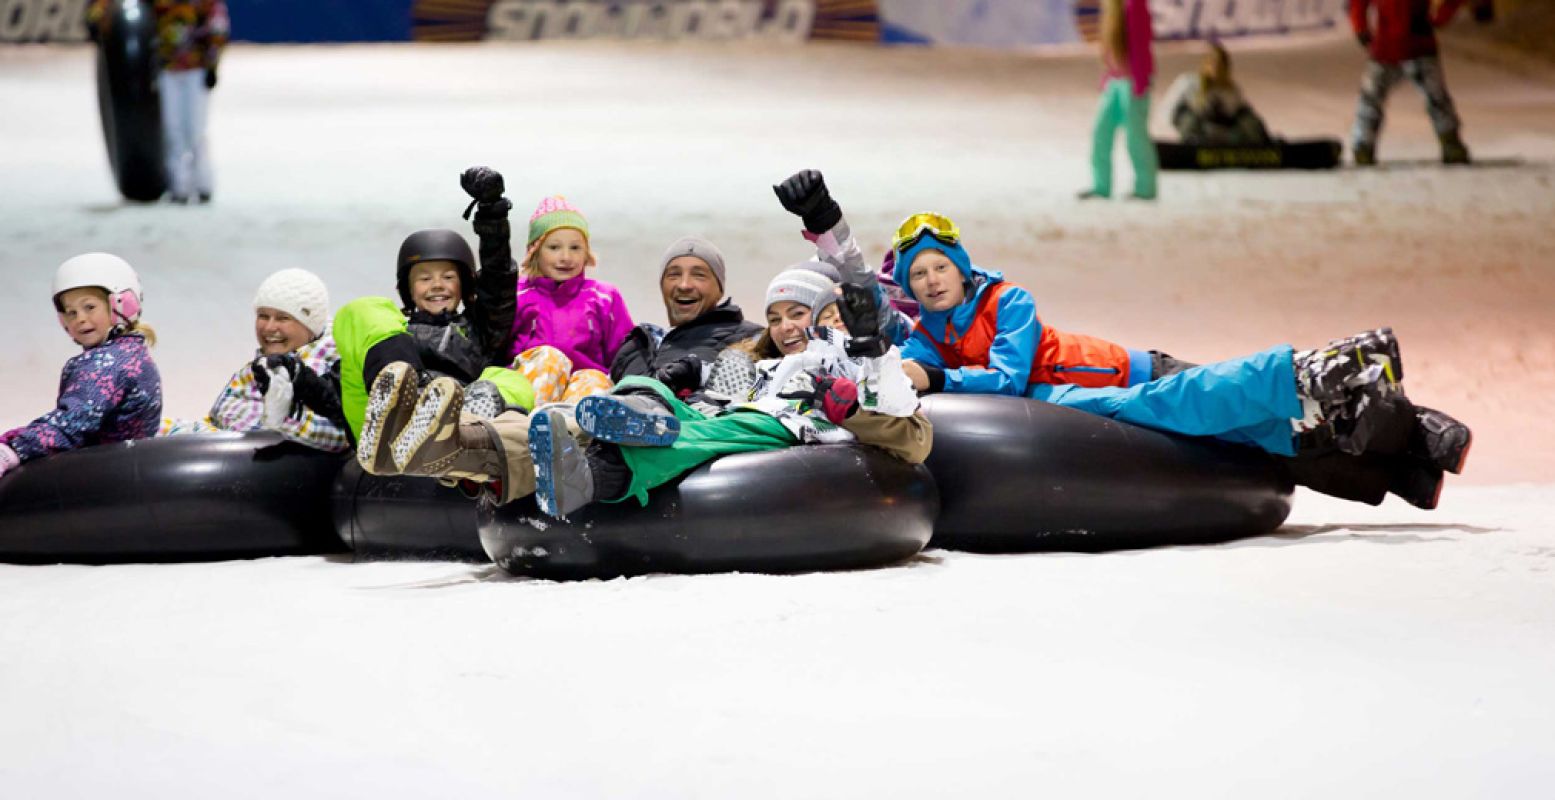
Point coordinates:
pixel 555 212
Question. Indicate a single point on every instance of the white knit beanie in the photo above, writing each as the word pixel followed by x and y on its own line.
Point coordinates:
pixel 297 292
pixel 804 286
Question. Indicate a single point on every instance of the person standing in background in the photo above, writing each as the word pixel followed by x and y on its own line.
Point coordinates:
pixel 190 35
pixel 1125 98
pixel 1400 41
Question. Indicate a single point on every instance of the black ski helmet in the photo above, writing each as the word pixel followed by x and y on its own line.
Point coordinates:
pixel 436 244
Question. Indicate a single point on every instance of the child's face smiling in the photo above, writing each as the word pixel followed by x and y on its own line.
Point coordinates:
pixel 563 254
pixel 86 316
pixel 434 286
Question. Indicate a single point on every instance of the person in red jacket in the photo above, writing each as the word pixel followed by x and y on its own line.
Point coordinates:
pixel 1400 38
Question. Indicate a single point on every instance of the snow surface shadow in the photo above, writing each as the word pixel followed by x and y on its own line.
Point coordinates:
pixel 1514 162
pixel 1400 533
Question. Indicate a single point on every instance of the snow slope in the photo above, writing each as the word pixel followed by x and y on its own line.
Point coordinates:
pixel 1359 652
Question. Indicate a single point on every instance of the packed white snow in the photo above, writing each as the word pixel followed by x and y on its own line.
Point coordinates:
pixel 1358 652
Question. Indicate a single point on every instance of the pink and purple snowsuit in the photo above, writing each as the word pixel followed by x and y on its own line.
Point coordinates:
pixel 583 318
pixel 108 393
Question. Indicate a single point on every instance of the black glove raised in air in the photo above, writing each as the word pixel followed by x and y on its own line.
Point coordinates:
pixel 804 194
pixel 485 187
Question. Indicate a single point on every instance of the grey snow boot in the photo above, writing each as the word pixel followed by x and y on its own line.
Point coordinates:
pixel 563 481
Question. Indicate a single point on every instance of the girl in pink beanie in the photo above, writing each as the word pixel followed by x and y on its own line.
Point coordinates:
pixel 567 326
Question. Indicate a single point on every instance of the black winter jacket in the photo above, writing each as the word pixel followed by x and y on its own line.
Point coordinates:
pixel 649 346
pixel 463 345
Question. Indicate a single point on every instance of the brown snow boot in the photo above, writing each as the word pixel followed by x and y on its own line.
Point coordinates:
pixel 390 400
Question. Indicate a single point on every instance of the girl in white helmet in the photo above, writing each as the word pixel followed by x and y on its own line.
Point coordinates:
pixel 112 391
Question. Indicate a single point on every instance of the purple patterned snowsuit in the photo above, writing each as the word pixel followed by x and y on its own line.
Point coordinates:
pixel 109 393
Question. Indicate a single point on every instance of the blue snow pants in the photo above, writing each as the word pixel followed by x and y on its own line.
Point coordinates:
pixel 1249 400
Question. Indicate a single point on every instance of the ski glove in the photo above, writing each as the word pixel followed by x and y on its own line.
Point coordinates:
pixel 9 460
pixel 485 187
pixel 210 77
pixel 836 397
pixel 804 194
pixel 683 375
pixel 861 314
pixel 304 386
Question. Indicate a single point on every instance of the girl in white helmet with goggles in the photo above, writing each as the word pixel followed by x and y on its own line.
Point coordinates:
pixel 112 391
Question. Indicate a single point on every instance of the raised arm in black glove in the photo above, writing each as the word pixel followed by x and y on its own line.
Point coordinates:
pixel 861 313
pixel 804 195
pixel 683 376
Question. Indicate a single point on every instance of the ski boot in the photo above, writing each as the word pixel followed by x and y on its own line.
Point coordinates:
pixel 1418 483
pixel 1454 151
pixel 1441 440
pixel 390 401
pixel 563 481
pixel 640 419
pixel 1364 155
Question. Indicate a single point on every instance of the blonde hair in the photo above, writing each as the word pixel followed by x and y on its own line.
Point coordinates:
pixel 531 265
pixel 144 330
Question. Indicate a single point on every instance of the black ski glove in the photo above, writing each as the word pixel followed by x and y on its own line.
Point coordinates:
pixel 861 314
pixel 683 375
pixel 485 187
pixel 210 77
pixel 309 389
pixel 804 194
pixel 1364 37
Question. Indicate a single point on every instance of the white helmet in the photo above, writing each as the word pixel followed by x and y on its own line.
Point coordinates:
pixel 104 271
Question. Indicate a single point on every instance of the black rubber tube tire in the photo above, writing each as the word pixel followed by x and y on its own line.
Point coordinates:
pixel 205 497
pixel 800 509
pixel 128 101
pixel 404 517
pixel 1018 475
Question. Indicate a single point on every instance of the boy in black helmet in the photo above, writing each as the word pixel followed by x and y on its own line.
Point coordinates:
pixel 454 321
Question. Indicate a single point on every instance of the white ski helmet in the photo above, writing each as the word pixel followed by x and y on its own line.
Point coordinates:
pixel 104 271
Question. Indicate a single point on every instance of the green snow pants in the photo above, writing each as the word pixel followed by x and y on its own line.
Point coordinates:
pixel 1120 107
pixel 702 439
pixel 365 322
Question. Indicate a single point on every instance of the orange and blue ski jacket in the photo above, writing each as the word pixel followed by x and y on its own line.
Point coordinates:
pixel 994 343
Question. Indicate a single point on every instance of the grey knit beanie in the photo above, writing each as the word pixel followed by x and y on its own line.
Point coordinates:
pixel 698 247
pixel 804 286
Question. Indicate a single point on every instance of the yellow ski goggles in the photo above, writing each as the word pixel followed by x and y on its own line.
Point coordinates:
pixel 917 226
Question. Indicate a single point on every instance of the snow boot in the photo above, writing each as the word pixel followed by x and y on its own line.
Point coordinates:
pixel 1454 151
pixel 390 401
pixel 1441 440
pixel 563 481
pixel 432 429
pixel 640 419
pixel 483 399
pixel 1364 155
pixel 1419 483
pixel 1326 373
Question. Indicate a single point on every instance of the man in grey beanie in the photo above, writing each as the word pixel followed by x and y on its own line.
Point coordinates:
pixel 702 322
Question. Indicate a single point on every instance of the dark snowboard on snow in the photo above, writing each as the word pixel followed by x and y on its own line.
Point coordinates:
pixel 1279 154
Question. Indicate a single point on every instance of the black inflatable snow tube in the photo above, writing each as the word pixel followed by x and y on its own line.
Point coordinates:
pixel 183 498
pixel 796 510
pixel 127 98
pixel 1018 475
pixel 1300 154
pixel 404 517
